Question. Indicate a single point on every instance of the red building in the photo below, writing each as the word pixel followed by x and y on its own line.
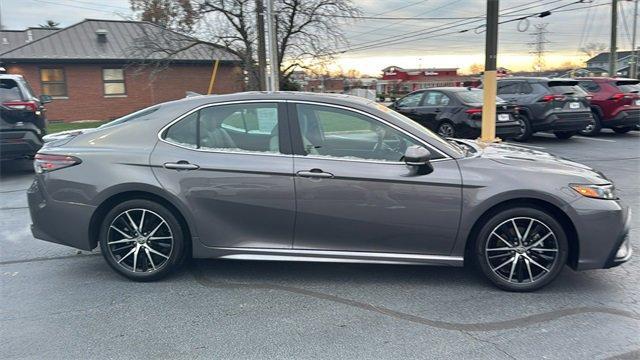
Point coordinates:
pixel 94 70
pixel 396 80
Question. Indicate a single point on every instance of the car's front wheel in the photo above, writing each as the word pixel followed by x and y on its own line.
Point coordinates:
pixel 521 249
pixel 142 240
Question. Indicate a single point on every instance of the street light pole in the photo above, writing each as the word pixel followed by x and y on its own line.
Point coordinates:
pixel 489 82
pixel 633 64
pixel 613 71
pixel 274 75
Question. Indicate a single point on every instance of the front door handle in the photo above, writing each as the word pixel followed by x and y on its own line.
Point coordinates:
pixel 181 165
pixel 314 173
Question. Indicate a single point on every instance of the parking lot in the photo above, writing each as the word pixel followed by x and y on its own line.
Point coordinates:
pixel 57 302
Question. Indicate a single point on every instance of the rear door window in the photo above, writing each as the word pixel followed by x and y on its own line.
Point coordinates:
pixel 509 87
pixel 9 90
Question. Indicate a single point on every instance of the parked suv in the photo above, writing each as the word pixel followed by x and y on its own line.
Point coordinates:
pixel 556 105
pixel 22 118
pixel 615 104
pixel 456 112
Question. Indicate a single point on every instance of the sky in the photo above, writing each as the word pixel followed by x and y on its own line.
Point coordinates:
pixel 568 30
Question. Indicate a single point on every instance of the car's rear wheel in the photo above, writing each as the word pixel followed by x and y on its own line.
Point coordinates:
pixel 623 130
pixel 142 240
pixel 564 135
pixel 594 127
pixel 526 130
pixel 521 249
pixel 446 129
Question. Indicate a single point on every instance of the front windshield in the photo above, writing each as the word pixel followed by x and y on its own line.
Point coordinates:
pixel 417 128
pixel 474 97
pixel 130 117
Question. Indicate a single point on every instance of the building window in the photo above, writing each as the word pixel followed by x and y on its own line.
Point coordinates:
pixel 53 82
pixel 113 80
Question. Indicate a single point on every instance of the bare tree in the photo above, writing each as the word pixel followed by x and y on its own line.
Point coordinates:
pixel 308 31
pixel 173 14
pixel 50 24
pixel 593 49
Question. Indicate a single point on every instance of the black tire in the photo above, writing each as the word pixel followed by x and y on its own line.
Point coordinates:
pixel 527 130
pixel 168 253
pixel 564 135
pixel 446 129
pixel 594 128
pixel 500 224
pixel 623 130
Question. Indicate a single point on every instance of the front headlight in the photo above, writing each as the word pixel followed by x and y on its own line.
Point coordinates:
pixel 606 192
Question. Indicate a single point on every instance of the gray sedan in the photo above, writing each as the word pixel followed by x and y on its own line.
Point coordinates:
pixel 306 177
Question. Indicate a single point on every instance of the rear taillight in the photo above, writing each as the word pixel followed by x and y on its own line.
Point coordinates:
pixel 21 105
pixel 473 111
pixel 620 96
pixel 549 98
pixel 47 162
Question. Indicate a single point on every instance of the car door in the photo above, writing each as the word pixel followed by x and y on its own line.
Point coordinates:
pixel 510 91
pixel 356 194
pixel 410 105
pixel 231 165
pixel 434 105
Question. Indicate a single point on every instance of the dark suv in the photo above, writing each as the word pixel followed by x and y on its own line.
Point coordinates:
pixel 556 105
pixel 22 118
pixel 615 104
pixel 456 112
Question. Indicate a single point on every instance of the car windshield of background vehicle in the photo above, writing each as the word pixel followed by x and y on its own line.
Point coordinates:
pixel 474 97
pixel 418 129
pixel 53 82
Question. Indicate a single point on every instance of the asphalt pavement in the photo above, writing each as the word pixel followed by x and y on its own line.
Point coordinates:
pixel 59 303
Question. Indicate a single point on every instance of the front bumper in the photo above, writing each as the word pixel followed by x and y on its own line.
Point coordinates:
pixel 17 144
pixel 602 228
pixel 625 118
pixel 57 221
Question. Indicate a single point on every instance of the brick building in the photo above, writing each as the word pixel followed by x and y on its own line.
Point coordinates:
pixel 103 69
pixel 399 81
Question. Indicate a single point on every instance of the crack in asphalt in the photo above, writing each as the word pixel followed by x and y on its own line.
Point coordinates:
pixel 487 326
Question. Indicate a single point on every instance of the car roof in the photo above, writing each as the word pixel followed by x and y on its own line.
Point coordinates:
pixel 534 78
pixel 604 79
pixel 11 76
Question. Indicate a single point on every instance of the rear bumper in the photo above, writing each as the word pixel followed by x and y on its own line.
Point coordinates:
pixel 625 118
pixel 564 121
pixel 505 130
pixel 59 222
pixel 17 144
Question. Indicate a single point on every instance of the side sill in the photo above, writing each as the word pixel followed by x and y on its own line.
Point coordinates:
pixel 201 251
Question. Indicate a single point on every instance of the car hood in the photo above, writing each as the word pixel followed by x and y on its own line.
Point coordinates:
pixel 536 161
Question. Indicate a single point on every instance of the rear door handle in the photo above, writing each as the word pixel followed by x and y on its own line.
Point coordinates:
pixel 181 165
pixel 314 173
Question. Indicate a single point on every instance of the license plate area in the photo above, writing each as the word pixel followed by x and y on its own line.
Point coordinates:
pixel 574 105
pixel 503 117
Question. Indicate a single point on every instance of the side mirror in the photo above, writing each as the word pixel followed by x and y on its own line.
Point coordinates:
pixel 418 157
pixel 45 99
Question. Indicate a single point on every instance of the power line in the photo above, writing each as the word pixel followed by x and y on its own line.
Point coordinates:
pixel 539 45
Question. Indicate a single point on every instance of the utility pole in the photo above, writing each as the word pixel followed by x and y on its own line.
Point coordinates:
pixel 539 46
pixel 489 84
pixel 274 74
pixel 633 64
pixel 613 71
pixel 262 54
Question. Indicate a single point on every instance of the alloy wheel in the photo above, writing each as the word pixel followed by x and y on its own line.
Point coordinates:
pixel 522 250
pixel 446 130
pixel 140 240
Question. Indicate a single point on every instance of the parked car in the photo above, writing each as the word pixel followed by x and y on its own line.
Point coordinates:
pixel 456 112
pixel 22 118
pixel 314 177
pixel 615 104
pixel 556 105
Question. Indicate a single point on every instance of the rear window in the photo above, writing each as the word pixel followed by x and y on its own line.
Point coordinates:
pixel 9 90
pixel 628 86
pixel 473 97
pixel 566 88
